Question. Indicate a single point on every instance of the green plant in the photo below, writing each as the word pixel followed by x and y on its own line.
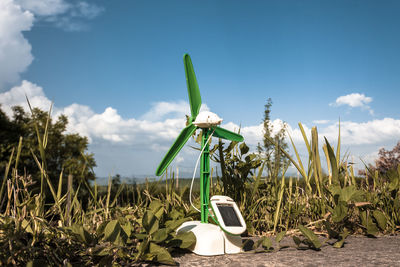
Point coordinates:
pixel 158 236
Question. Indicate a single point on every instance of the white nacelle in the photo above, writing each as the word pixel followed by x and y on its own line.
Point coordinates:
pixel 205 119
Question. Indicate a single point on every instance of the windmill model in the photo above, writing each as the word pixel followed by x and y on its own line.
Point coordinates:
pixel 210 239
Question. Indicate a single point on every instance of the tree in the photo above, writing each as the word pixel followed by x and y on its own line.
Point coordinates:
pixel 388 161
pixel 64 153
pixel 274 158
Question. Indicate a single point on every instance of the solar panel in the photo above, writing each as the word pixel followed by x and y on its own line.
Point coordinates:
pixel 229 215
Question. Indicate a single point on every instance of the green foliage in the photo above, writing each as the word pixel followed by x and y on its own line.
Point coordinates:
pixel 159 233
pixel 236 166
pixel 337 202
pixel 274 158
pixel 311 239
pixel 125 224
pixel 266 244
pixel 40 140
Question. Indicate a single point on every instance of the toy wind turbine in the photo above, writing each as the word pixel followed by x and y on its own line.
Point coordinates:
pixel 208 122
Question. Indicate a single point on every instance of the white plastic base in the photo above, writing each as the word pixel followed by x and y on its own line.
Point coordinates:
pixel 211 240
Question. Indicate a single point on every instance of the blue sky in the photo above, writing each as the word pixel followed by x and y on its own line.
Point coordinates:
pixel 116 68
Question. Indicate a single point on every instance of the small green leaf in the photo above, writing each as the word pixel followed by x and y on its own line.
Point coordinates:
pixel 173 224
pixel 313 238
pixel 162 255
pixel 148 257
pixel 160 235
pixel 332 233
pixel 341 240
pixel 156 207
pixel 128 228
pixel 340 211
pixel 280 236
pixel 258 243
pixel 267 243
pixel 183 240
pixel 82 235
pixel 296 240
pixel 367 222
pixel 140 236
pixel 105 251
pixel 143 247
pixel 394 184
pixel 111 231
pixel 350 193
pixel 335 189
pixel 380 218
pixel 174 214
pixel 243 148
pixel 100 229
pixel 150 222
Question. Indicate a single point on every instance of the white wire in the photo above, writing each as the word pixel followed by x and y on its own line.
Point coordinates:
pixel 195 169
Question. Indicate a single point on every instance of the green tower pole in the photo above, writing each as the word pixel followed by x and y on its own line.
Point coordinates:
pixel 204 176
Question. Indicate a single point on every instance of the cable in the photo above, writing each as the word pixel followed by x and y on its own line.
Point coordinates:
pixel 191 186
pixel 195 169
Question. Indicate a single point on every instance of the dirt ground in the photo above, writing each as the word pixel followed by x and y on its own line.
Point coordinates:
pixel 357 251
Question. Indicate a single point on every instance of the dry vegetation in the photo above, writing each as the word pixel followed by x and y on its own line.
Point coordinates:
pixel 133 223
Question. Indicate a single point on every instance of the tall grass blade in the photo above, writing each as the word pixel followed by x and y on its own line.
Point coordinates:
pixel 278 206
pixel 333 161
pixel 338 147
pixel 40 142
pixel 7 170
pixel 302 170
pixel 108 196
pixel 59 189
pixel 289 202
pixel 316 161
pixel 257 180
pixel 120 189
pixel 46 128
pixel 69 193
pixel 303 133
pixel 286 154
pixel 18 152
pixel 44 173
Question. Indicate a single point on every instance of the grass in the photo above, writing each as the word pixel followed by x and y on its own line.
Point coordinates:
pixel 131 223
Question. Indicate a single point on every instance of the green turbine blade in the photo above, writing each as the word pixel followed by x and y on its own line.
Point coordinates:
pixel 176 147
pixel 193 87
pixel 225 134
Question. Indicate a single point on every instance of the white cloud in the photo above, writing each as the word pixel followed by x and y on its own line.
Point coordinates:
pixel 146 139
pixel 254 134
pixel 69 16
pixel 44 7
pixel 15 50
pixel 354 100
pixel 364 133
pixel 16 97
pixel 321 121
pixel 17 16
pixel 86 10
pixel 370 157
pixel 161 110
